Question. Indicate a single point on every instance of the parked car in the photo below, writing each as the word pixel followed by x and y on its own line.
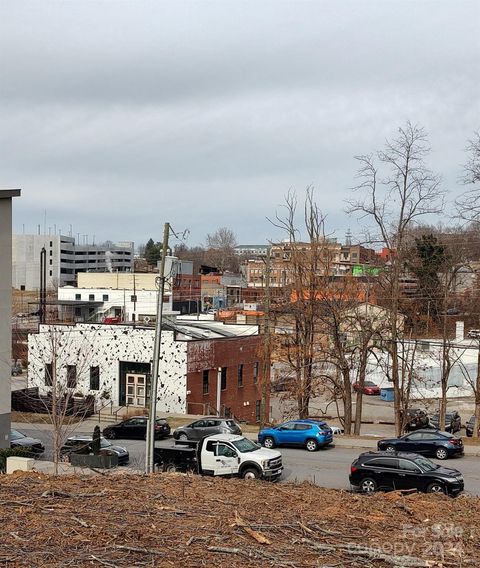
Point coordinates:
pixel 16 370
pixel 84 445
pixel 34 446
pixel 336 430
pixel 402 470
pixel 369 388
pixel 308 433
pixel 207 427
pixel 135 428
pixel 426 442
pixel 415 419
pixel 470 424
pixel 474 334
pixel 453 422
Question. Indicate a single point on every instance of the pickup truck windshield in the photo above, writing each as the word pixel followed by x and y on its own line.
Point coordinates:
pixel 245 445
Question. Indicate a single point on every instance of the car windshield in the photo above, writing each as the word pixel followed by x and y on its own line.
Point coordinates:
pixel 230 423
pixel 425 464
pixel 16 435
pixel 370 384
pixel 104 443
pixel 244 445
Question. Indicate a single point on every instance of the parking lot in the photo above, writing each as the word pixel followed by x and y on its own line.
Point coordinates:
pixel 328 467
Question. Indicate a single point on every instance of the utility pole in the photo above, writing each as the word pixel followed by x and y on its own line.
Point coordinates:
pixel 267 348
pixel 150 444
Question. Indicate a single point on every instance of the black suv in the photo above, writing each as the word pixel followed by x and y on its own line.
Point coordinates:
pixel 453 422
pixel 469 425
pixel 84 445
pixel 401 470
pixel 415 419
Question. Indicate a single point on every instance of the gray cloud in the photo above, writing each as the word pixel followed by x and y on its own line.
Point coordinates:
pixel 117 116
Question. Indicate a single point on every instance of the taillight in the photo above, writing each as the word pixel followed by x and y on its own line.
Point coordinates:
pixel 454 441
pixel 353 469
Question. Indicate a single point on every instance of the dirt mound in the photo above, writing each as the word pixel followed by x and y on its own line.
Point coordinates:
pixel 177 520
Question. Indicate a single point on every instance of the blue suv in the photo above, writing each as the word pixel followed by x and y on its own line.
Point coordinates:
pixel 308 433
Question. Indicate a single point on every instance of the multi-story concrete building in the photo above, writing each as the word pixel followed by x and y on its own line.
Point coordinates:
pixel 65 259
pixel 5 311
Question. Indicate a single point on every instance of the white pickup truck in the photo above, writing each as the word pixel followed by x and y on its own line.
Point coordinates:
pixel 222 454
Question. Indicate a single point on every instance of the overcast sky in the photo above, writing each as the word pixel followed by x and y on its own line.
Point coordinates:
pixel 118 116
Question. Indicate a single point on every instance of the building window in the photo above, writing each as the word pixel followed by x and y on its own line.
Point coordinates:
pixel 50 273
pixel 22 287
pixel 51 253
pixel 51 243
pixel 78 296
pixel 105 297
pixel 49 374
pixel 78 312
pixel 91 297
pixel 258 406
pixel 133 298
pixel 223 378
pixel 94 378
pixel 205 381
pixel 240 375
pixel 255 373
pixel 71 376
pixel 51 262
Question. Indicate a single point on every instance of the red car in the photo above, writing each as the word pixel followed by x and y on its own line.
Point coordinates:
pixel 368 388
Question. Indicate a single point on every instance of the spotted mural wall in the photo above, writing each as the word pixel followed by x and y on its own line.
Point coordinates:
pixel 78 349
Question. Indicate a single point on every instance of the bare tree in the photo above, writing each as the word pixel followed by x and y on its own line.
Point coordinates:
pixel 308 263
pixel 396 193
pixel 469 203
pixel 220 247
pixel 60 367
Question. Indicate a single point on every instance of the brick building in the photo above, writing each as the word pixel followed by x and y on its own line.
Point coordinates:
pixel 233 365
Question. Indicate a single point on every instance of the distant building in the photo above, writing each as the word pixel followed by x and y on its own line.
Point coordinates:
pixel 252 251
pixel 65 259
pixel 113 297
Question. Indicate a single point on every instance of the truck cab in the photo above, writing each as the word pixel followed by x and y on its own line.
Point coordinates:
pixel 227 454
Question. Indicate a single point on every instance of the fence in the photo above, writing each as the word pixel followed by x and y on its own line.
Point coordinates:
pixel 30 400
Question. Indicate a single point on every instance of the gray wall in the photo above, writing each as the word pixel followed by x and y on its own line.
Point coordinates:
pixel 5 311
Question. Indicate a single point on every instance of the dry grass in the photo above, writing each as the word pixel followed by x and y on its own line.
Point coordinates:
pixel 120 520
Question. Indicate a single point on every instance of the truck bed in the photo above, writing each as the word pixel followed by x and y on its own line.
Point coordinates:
pixel 176 458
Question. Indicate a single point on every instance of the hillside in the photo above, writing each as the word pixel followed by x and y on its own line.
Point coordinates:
pixel 120 520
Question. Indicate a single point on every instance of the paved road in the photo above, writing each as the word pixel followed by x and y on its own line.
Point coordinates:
pixel 328 467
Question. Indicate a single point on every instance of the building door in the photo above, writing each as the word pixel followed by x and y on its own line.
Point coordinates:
pixel 136 389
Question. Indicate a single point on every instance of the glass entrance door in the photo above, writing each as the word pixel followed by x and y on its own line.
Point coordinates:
pixel 136 389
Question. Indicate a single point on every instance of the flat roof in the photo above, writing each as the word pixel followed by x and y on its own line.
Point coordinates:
pixel 7 193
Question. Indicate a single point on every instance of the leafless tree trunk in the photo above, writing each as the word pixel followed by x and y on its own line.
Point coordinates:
pixel 394 199
pixel 307 262
pixel 469 203
pixel 63 397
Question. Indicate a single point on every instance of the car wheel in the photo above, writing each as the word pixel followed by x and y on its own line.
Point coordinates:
pixel 441 453
pixel 368 485
pixel 435 488
pixel 183 437
pixel 311 446
pixel 169 468
pixel 390 449
pixel 110 434
pixel 250 473
pixel 268 442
